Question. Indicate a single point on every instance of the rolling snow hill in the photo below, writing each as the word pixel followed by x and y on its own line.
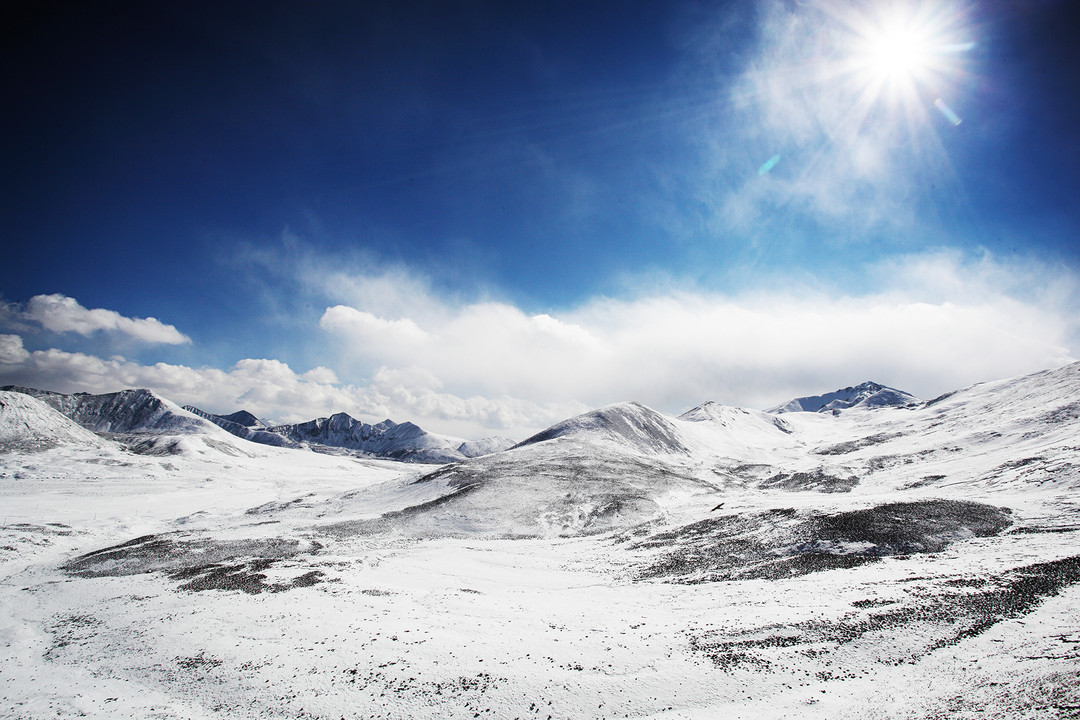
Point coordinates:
pixel 631 425
pixel 485 446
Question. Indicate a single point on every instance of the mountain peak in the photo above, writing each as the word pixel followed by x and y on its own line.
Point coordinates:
pixel 868 395
pixel 628 423
pixel 388 439
pixel 244 418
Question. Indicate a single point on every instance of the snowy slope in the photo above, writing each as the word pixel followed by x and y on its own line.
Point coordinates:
pixel 143 422
pixel 868 395
pixel 631 425
pixel 882 563
pixel 28 424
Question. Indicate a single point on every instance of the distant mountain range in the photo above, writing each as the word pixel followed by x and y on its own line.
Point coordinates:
pixel 618 465
pixel 149 423
pixel 387 439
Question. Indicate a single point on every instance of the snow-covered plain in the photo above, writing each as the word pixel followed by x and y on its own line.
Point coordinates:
pixel 884 562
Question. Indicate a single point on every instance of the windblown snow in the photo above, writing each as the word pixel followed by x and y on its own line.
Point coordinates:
pixel 858 554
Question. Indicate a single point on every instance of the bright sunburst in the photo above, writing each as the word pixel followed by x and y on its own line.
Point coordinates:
pixel 899 51
pixel 904 54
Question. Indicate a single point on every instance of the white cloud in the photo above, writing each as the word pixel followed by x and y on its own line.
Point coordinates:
pixel 368 330
pixel 936 322
pixel 12 351
pixel 60 313
pixel 322 375
pixel 273 391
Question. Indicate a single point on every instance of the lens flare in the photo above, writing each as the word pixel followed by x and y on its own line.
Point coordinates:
pixel 768 165
pixel 947 112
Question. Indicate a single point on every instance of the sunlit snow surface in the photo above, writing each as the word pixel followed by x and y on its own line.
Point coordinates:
pixel 880 563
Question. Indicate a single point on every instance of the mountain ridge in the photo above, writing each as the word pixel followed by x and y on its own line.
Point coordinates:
pixel 629 423
pixel 868 394
pixel 257 433
pixel 406 441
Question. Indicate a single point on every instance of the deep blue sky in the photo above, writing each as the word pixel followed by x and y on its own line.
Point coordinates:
pixel 181 160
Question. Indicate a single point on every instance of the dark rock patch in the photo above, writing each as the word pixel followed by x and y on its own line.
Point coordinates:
pixel 782 543
pixel 816 480
pixel 209 564
pixel 853 445
pixel 245 577
pixel 935 620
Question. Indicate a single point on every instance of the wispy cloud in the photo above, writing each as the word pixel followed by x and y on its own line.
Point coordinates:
pixel 62 314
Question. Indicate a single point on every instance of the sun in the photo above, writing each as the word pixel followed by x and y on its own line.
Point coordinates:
pixel 904 53
pixel 899 52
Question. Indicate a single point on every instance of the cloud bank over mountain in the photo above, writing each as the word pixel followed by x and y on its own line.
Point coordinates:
pixel 393 346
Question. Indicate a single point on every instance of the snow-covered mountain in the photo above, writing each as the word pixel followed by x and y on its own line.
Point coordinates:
pixel 630 424
pixel 623 563
pixel 732 417
pixel 398 441
pixel 866 395
pixel 140 420
pixel 243 417
pixel 126 411
pixel 244 425
pixel 27 423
